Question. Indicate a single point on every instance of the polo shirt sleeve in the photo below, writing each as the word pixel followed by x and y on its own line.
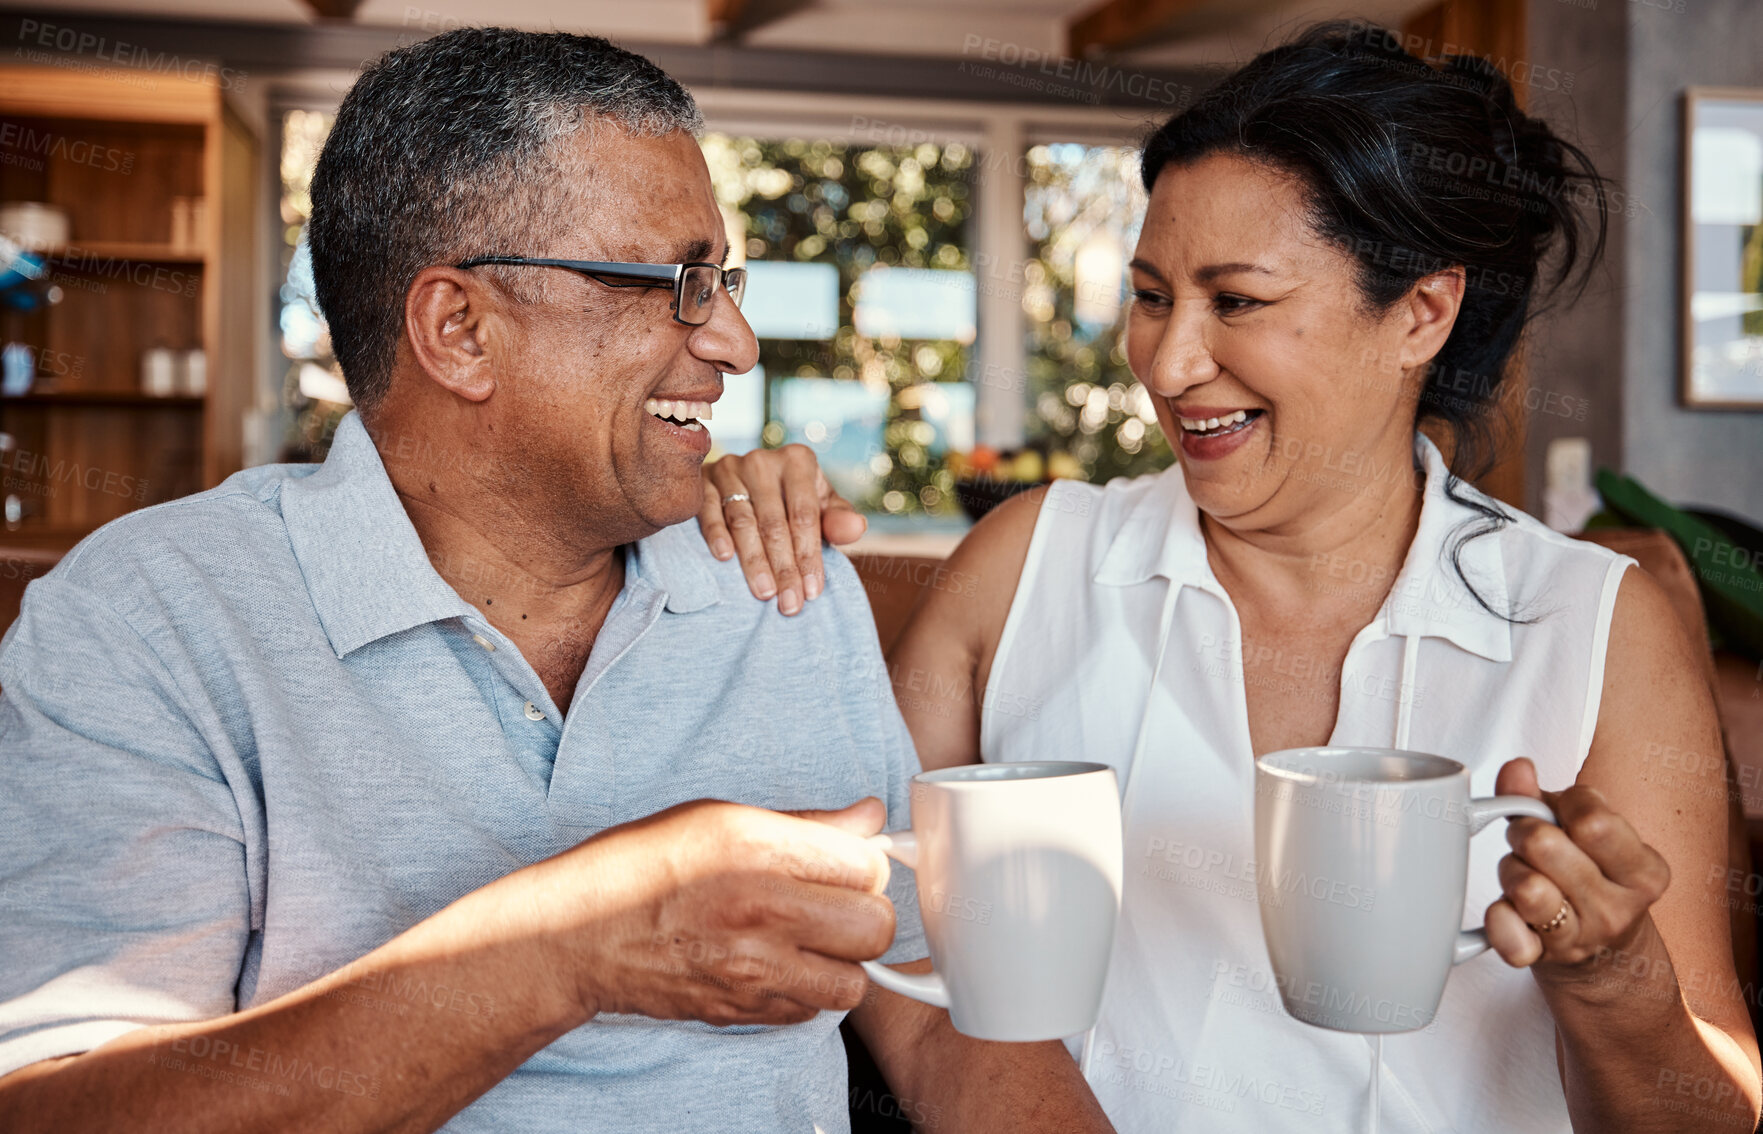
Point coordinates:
pixel 123 891
pixel 896 757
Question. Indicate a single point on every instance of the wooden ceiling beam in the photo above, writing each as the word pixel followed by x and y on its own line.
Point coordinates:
pixel 1115 24
pixel 334 9
pixel 723 13
pixel 731 20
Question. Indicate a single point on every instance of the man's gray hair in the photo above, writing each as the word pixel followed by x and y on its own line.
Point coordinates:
pixel 447 149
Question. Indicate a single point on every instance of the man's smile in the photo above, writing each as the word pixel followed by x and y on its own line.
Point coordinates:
pixel 682 420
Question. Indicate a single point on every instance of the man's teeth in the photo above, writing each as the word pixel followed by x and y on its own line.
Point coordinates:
pixel 680 411
pixel 1208 424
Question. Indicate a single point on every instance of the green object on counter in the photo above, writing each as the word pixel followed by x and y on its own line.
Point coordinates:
pixel 1729 574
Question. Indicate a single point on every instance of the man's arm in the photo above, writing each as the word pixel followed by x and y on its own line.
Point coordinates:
pixel 126 912
pixel 327 1056
pixel 948 1081
pixel 612 925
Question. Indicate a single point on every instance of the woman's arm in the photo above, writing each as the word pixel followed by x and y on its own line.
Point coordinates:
pixel 943 658
pixel 1653 1029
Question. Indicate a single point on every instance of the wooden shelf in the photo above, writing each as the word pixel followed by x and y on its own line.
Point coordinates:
pixel 99 445
pixel 144 250
pixel 105 398
pixel 32 532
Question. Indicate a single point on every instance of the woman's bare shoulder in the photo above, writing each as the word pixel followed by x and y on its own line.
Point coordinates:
pixel 981 575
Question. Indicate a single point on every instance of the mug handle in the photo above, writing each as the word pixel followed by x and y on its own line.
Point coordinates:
pixel 1474 942
pixel 927 988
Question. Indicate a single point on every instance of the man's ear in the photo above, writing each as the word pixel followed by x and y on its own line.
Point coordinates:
pixel 1433 304
pixel 448 315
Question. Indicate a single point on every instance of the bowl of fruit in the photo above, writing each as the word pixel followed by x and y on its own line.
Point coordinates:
pixel 986 477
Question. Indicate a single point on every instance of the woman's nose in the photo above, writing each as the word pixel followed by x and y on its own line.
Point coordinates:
pixel 1184 357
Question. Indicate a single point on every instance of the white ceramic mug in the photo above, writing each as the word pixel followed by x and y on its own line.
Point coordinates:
pixel 1362 863
pixel 1019 874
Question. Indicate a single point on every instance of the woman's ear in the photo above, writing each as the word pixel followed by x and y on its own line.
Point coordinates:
pixel 1433 304
pixel 448 318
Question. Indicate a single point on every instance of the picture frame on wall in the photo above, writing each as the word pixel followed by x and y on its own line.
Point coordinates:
pixel 1722 194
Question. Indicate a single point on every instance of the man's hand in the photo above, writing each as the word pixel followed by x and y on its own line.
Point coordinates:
pixel 718 912
pixel 707 911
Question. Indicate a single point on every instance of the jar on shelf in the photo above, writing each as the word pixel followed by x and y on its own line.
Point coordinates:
pixel 159 371
pixel 193 372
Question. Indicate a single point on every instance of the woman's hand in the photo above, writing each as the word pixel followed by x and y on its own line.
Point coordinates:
pixel 1573 891
pixel 776 529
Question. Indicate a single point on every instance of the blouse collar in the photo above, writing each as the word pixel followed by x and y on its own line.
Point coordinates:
pixel 1161 537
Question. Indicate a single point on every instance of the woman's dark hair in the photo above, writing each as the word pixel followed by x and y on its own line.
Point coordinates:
pixel 1413 167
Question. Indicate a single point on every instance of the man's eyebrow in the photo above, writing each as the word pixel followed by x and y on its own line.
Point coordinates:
pixel 1212 271
pixel 698 252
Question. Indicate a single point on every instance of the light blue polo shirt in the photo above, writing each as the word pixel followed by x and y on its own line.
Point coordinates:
pixel 248 736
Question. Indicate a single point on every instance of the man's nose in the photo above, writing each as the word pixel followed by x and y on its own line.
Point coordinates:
pixel 725 340
pixel 1184 357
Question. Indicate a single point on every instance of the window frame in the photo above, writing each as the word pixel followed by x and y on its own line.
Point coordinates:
pixel 1000 135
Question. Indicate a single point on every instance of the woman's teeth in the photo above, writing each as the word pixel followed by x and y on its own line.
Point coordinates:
pixel 1229 423
pixel 685 414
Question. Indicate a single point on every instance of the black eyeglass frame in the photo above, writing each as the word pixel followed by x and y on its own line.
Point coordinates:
pixel 612 272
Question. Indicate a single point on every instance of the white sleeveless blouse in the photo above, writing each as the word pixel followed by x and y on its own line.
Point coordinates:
pixel 1192 1035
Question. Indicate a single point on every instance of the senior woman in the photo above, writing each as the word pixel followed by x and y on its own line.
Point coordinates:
pixel 1309 282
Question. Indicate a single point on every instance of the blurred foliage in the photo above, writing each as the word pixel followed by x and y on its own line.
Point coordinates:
pixel 855 207
pixel 1085 201
pixel 304 340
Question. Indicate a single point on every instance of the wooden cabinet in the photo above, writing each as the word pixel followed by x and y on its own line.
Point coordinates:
pixel 120 154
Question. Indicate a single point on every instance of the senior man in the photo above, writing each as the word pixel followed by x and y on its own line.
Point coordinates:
pixel 378 796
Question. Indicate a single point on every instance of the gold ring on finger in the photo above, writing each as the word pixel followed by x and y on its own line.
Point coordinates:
pixel 1555 922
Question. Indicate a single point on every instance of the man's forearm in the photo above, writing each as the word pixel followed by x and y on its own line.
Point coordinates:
pixel 609 925
pixel 373 1046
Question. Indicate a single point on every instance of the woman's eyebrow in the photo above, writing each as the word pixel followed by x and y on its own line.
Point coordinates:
pixel 1212 271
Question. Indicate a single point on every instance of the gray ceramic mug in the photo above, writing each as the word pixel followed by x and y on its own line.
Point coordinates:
pixel 1362 863
pixel 1019 869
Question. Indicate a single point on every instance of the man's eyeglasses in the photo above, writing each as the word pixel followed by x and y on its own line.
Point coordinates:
pixel 694 286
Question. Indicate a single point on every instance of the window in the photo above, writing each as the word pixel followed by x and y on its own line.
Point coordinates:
pixel 1083 205
pixel 312 385
pixel 863 300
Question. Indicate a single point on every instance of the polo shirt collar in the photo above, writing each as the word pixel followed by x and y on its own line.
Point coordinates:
pixel 1161 537
pixel 370 576
pixel 675 561
pixel 365 567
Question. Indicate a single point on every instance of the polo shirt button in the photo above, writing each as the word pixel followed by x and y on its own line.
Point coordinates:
pixel 534 713
pixel 484 642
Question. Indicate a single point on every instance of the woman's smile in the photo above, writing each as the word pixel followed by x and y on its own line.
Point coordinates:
pixel 1208 434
